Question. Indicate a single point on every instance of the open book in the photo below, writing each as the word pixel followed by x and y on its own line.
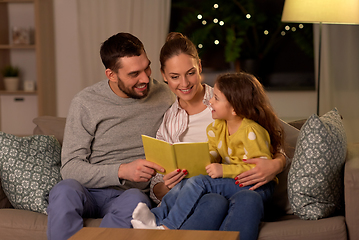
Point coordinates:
pixel 194 157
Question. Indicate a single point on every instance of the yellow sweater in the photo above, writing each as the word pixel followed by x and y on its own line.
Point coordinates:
pixel 251 140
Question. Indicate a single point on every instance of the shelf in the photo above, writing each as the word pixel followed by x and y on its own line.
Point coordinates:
pixel 6 46
pixel 3 92
pixel 16 1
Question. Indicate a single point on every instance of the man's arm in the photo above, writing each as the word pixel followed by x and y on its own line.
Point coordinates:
pixel 76 151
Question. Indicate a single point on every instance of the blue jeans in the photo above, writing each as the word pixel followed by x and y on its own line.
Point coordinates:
pixel 181 202
pixel 70 202
pixel 200 218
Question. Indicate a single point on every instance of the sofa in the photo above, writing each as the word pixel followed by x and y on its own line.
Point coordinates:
pixel 280 224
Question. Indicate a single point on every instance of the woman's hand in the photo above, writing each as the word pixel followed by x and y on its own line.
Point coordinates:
pixel 264 171
pixel 172 178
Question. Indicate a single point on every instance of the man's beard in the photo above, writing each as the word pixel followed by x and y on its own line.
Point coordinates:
pixel 131 92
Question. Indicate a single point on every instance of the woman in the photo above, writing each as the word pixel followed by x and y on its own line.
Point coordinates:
pixel 187 120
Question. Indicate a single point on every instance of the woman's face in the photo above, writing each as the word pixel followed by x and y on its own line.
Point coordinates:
pixel 182 73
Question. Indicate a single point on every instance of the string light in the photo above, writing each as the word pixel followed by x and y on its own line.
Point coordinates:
pixel 216 5
pixel 301 26
pixel 294 29
pixel 215 20
pixel 266 32
pixel 282 33
pixel 204 22
pixel 248 16
pixel 200 45
pixel 287 28
pixel 199 16
pixel 216 42
pixel 221 23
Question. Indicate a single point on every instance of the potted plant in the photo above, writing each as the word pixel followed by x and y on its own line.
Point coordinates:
pixel 11 77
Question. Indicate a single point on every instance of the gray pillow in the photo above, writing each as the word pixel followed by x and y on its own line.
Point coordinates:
pixel 29 167
pixel 315 179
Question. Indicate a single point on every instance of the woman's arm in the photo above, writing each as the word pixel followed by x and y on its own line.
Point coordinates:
pixel 264 171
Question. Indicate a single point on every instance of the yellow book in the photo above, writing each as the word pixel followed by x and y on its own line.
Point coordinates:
pixel 194 157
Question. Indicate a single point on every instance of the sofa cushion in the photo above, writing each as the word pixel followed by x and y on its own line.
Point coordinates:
pixel 315 180
pixel 30 167
pixel 291 227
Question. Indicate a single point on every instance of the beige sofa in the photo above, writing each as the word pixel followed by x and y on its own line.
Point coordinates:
pixel 23 224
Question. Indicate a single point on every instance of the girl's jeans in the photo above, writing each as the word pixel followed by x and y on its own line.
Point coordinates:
pixel 245 206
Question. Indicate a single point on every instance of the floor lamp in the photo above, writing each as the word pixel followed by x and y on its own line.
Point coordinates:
pixel 321 12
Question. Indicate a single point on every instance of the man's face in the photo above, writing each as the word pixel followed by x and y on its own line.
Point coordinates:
pixel 132 78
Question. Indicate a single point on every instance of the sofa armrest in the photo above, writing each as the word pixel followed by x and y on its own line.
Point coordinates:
pixel 351 191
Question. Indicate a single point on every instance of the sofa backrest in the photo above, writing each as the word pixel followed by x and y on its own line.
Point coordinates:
pixel 47 125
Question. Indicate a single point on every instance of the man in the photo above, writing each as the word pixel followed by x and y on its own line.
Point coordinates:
pixel 103 166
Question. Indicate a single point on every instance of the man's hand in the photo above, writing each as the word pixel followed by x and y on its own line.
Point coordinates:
pixel 139 170
pixel 215 170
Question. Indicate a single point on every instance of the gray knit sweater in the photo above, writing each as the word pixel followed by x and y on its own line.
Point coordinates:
pixel 104 130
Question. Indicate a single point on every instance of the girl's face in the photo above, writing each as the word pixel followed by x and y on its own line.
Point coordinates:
pixel 182 73
pixel 222 109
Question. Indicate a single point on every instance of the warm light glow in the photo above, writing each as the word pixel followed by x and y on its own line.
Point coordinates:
pixel 204 22
pixel 266 32
pixel 200 46
pixel 301 26
pixel 221 23
pixel 248 16
pixel 199 16
pixel 321 11
pixel 294 29
pixel 216 42
pixel 282 33
pixel 287 28
pixel 215 20
pixel 216 5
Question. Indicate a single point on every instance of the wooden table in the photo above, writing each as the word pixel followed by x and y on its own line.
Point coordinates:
pixel 91 233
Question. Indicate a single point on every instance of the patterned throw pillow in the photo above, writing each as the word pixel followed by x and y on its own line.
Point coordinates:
pixel 29 167
pixel 315 180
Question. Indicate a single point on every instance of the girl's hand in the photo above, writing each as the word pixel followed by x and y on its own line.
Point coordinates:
pixel 172 178
pixel 264 172
pixel 215 170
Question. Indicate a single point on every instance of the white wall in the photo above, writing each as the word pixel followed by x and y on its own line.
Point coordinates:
pixel 66 54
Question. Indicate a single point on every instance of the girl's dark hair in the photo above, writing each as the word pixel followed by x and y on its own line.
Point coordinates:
pixel 176 43
pixel 249 100
pixel 118 46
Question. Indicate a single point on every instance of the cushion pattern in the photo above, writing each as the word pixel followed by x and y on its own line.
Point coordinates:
pixel 29 167
pixel 315 179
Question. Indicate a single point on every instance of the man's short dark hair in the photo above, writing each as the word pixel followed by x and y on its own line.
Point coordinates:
pixel 118 46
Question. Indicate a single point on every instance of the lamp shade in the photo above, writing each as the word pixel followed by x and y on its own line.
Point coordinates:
pixel 321 11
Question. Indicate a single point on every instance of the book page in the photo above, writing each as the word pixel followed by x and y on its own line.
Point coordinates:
pixel 159 152
pixel 194 157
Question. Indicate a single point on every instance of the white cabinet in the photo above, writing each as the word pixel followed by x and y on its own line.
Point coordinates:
pixel 17 113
